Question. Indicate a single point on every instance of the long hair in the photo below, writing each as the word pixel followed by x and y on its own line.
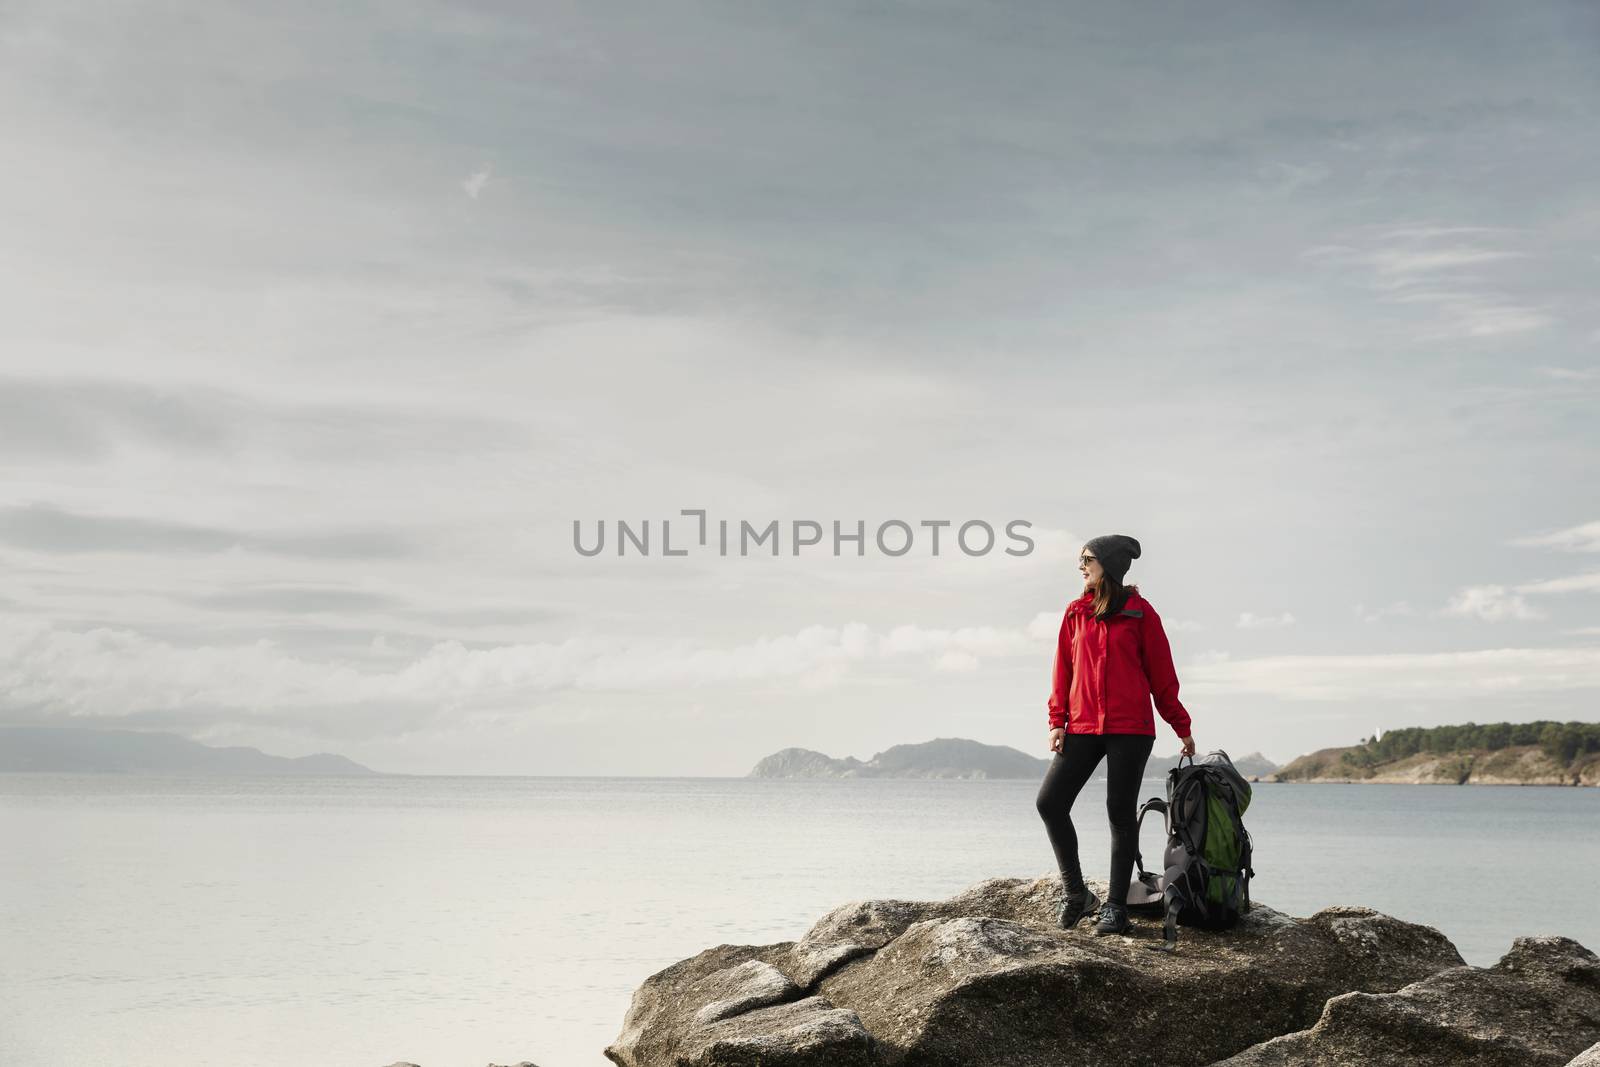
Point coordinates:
pixel 1110 595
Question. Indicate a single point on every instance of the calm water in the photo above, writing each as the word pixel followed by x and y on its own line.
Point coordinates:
pixel 171 922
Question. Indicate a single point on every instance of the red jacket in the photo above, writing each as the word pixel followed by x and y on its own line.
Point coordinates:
pixel 1107 671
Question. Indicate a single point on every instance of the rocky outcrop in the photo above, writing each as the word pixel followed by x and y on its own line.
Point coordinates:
pixel 1516 765
pixel 986 977
pixel 804 763
pixel 1538 1007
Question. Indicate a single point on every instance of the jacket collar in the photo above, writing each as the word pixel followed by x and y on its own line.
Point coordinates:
pixel 1084 605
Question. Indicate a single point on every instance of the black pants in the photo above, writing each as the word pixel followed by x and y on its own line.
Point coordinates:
pixel 1125 755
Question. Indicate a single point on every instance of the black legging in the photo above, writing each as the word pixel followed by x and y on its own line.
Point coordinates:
pixel 1080 754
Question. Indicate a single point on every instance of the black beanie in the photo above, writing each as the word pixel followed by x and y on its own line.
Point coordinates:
pixel 1116 552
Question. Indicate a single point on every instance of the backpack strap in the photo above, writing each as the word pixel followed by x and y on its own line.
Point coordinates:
pixel 1181 798
pixel 1153 804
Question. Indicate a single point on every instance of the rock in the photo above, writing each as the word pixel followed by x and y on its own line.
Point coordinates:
pixel 731 1005
pixel 752 984
pixel 1590 1057
pixel 987 978
pixel 1539 1005
pixel 809 1031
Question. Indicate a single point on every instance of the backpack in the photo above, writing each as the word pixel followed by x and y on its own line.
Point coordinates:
pixel 1206 882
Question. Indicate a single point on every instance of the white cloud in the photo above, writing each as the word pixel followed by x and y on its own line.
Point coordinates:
pixel 473 183
pixel 1577 583
pixel 1399 607
pixel 1429 232
pixel 1492 603
pixel 1481 315
pixel 1251 621
pixel 1382 677
pixel 1584 537
pixel 1408 266
pixel 1410 262
pixel 956 661
pixel 1568 374
pixel 1045 626
pixel 105 673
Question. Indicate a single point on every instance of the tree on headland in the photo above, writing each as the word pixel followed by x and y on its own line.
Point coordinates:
pixel 1561 741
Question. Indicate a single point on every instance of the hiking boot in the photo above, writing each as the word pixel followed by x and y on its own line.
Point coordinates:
pixel 1073 910
pixel 1113 919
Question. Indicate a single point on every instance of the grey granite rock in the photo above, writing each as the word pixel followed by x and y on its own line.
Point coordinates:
pixel 1589 1057
pixel 986 977
pixel 1537 1007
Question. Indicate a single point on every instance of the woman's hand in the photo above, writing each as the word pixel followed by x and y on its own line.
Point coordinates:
pixel 1057 737
pixel 1188 746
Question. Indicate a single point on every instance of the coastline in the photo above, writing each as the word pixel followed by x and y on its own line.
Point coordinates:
pixel 1413 781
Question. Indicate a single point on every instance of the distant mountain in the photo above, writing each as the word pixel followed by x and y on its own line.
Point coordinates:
pixel 78 750
pixel 943 757
pixel 1255 765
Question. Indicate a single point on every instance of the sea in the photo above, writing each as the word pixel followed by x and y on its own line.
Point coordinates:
pixel 458 922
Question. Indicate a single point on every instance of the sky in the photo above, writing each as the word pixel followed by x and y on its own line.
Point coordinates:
pixel 322 325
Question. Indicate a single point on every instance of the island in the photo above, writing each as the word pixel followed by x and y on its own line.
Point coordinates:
pixel 943 757
pixel 946 757
pixel 1528 753
pixel 1253 766
pixel 86 750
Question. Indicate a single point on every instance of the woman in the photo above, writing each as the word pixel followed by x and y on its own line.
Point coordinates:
pixel 1111 658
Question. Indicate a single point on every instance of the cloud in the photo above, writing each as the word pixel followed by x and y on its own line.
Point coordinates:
pixel 1568 374
pixel 1383 676
pixel 1577 583
pixel 1397 608
pixel 1251 621
pixel 1477 314
pixel 1584 537
pixel 1045 626
pixel 1492 603
pixel 1285 178
pixel 1410 266
pixel 42 528
pixel 115 673
pixel 49 672
pixel 473 184
pixel 88 419
pixel 298 600
pixel 84 420
pixel 956 662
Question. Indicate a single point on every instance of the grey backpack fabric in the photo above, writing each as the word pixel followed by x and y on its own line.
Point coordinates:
pixel 1205 881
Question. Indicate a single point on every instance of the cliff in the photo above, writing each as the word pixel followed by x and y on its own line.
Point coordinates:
pixel 987 979
pixel 1513 765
